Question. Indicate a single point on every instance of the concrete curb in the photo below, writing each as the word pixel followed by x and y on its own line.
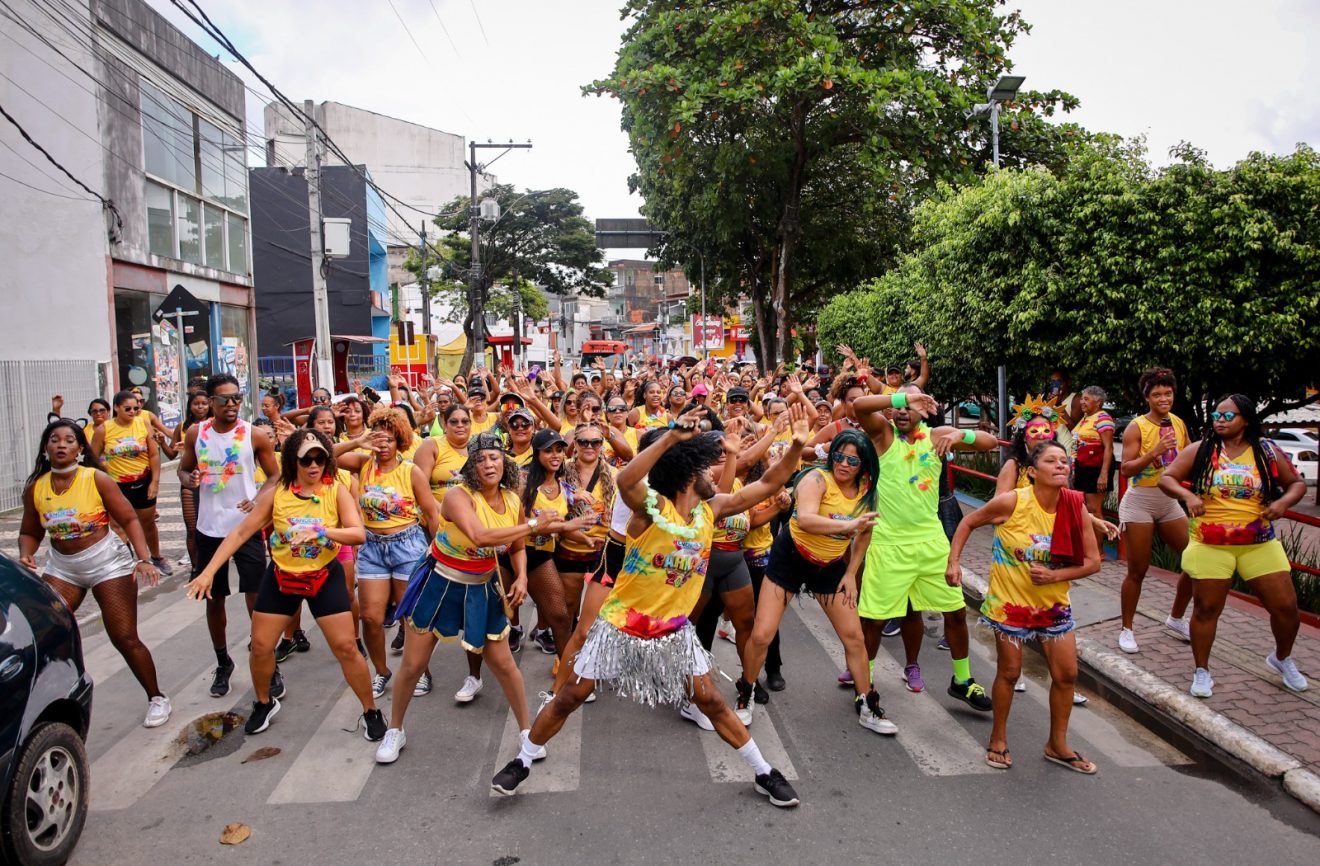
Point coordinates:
pixel 1183 711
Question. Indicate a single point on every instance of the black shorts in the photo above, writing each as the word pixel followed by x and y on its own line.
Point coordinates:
pixel 726 572
pixel 538 558
pixel 1085 478
pixel 790 570
pixel 250 559
pixel 332 598
pixel 569 563
pixel 136 492
pixel 614 553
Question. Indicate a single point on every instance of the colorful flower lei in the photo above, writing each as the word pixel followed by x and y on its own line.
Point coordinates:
pixel 688 532
pixel 229 468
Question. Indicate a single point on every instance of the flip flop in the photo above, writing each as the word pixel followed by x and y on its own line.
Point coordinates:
pixel 1076 763
pixel 1004 762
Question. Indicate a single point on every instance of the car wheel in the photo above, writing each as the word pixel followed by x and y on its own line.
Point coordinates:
pixel 46 804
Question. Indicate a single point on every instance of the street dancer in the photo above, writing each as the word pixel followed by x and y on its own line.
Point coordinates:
pixel 643 640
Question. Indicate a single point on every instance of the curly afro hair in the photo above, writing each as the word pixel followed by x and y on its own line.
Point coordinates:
pixel 512 476
pixel 682 463
pixel 393 419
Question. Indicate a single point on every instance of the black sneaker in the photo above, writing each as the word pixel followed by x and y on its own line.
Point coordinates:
pixel 375 724
pixel 776 787
pixel 892 628
pixel 774 681
pixel 396 645
pixel 545 640
pixel 506 781
pixel 300 642
pixel 515 638
pixel 971 693
pixel 276 685
pixel 284 649
pixel 760 695
pixel 742 707
pixel 220 680
pixel 259 720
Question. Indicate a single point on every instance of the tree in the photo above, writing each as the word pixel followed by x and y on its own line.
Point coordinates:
pixel 1105 270
pixel 768 131
pixel 541 236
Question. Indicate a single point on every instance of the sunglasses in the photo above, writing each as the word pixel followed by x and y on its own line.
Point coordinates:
pixel 132 409
pixel 589 443
pixel 320 401
pixel 227 399
pixel 570 403
pixel 317 458
pixel 1223 416
pixel 520 425
pixel 850 459
pixel 618 409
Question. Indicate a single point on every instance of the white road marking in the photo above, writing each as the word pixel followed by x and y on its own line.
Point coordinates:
pixel 562 768
pixel 104 661
pixel 721 759
pixel 334 765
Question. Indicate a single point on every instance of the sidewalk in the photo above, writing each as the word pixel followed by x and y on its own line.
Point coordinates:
pixel 1251 716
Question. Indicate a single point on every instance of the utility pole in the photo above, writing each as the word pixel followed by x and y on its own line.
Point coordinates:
pixel 517 321
pixel 325 377
pixel 476 303
pixel 426 309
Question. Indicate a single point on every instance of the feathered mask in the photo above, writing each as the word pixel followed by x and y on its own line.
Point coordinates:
pixel 1035 406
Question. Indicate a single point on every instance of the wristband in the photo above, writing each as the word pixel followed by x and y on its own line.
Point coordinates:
pixel 898 401
pixel 969 437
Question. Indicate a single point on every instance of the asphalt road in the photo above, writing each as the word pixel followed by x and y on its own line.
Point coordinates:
pixel 627 784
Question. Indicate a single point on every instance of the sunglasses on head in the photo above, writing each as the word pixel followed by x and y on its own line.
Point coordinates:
pixel 850 459
pixel 227 399
pixel 316 457
pixel 589 443
pixel 1223 416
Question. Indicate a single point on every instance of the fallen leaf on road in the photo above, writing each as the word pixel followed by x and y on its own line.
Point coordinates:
pixel 234 834
pixel 262 754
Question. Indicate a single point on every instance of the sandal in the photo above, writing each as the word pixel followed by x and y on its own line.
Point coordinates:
pixel 1076 763
pixel 1004 760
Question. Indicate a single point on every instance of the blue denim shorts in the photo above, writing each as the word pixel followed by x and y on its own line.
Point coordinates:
pixel 386 556
pixel 1018 634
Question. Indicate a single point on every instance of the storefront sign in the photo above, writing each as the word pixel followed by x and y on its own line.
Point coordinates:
pixel 708 334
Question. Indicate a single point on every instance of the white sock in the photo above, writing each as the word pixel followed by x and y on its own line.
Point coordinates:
pixel 752 755
pixel 527 753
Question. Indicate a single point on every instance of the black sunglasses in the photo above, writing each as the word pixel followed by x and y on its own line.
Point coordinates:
pixel 619 407
pixel 850 459
pixel 320 400
pixel 519 425
pixel 316 457
pixel 227 399
pixel 589 443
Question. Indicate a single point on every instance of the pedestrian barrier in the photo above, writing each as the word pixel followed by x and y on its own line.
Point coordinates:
pixel 28 387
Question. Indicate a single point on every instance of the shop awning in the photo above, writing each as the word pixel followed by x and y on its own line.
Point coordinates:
pixel 642 329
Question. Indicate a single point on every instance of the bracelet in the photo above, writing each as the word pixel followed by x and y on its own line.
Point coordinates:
pixel 969 437
pixel 898 400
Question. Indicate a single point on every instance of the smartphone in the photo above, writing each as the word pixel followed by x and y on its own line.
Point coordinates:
pixel 534 372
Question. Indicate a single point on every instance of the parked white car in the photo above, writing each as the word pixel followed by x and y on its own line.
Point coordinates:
pixel 1302 448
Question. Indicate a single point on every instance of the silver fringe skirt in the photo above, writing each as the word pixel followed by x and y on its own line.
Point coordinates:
pixel 649 670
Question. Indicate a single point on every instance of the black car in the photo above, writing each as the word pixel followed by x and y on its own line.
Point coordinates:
pixel 45 711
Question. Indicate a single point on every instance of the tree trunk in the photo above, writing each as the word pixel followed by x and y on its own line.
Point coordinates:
pixel 790 230
pixel 764 336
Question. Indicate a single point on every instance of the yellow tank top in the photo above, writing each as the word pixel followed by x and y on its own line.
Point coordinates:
pixel 1023 479
pixel 1013 599
pixel 457 551
pixel 544 509
pixel 1150 436
pixel 126 449
pixel 484 424
pixel 731 531
pixel 600 508
pixel 259 474
pixel 411 450
pixel 448 469
pixel 76 513
pixel 1233 503
pixel 386 498
pixel 567 428
pixel 652 422
pixel 525 459
pixel 760 539
pixel 661 577
pixel 826 549
pixel 292 515
pixel 629 436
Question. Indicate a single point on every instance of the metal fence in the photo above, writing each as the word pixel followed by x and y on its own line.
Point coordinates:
pixel 28 387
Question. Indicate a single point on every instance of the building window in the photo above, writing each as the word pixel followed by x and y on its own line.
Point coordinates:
pixel 188 158
pixel 659 279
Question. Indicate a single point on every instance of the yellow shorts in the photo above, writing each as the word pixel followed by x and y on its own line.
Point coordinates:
pixel 1220 561
pixel 898 574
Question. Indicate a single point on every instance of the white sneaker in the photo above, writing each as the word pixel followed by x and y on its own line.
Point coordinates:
pixel 690 712
pixel 1127 641
pixel 471 686
pixel 158 711
pixel 1079 699
pixel 1020 686
pixel 1202 684
pixel 546 698
pixel 591 698
pixel 1286 668
pixel 538 753
pixel 388 750
pixel 744 714
pixel 1180 628
pixel 872 722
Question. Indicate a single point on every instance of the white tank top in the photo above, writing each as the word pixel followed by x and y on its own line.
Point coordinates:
pixel 620 516
pixel 226 479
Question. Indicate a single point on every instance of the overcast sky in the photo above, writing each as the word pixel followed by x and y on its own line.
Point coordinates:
pixel 1227 76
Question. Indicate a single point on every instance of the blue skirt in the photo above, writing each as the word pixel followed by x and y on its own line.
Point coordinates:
pixel 469 613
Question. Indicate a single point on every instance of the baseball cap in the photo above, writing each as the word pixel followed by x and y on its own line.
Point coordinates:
pixel 309 443
pixel 525 414
pixel 738 394
pixel 547 439
pixel 700 391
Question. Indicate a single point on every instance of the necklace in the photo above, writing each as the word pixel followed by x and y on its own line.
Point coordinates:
pixel 296 490
pixel 226 462
pixel 688 532
pixel 72 467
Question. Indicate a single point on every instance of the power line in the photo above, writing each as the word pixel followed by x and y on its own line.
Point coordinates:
pixel 444 28
pixel 46 191
pixel 404 25
pixel 477 15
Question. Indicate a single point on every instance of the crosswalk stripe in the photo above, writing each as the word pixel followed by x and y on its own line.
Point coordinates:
pixel 934 740
pixel 104 661
pixel 562 768
pixel 722 761
pixel 334 765
pixel 142 756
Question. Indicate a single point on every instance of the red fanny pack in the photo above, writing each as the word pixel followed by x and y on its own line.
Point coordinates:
pixel 1090 454
pixel 301 582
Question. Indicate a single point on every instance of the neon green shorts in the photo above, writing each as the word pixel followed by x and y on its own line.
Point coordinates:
pixel 896 574
pixel 1220 561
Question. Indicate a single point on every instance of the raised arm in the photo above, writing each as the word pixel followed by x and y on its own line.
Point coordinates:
pixel 631 480
pixel 923 377
pixel 776 476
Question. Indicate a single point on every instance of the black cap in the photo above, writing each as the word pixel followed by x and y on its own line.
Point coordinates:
pixel 547 438
pixel 738 392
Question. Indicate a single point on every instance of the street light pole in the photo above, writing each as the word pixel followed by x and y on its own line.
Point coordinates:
pixel 475 301
pixel 702 258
